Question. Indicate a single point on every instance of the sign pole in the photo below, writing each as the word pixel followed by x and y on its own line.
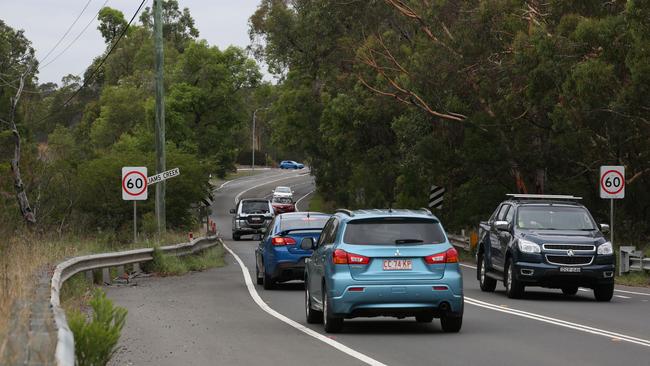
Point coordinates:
pixel 135 222
pixel 159 115
pixel 611 221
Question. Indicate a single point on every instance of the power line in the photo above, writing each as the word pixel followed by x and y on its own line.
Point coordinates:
pixel 66 32
pixel 75 38
pixel 101 63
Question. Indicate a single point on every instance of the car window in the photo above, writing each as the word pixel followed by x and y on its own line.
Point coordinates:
pixel 249 207
pixel 502 212
pixel 554 218
pixel 329 232
pixel 394 230
pixel 270 229
pixel 283 200
pixel 283 190
pixel 510 215
pixel 303 222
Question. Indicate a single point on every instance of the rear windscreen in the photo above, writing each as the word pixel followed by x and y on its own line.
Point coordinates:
pixel 391 231
pixel 255 207
pixel 283 200
pixel 313 222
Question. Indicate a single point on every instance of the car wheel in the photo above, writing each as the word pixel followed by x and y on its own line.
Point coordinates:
pixel 267 281
pixel 424 318
pixel 258 276
pixel 604 292
pixel 451 324
pixel 570 290
pixel 236 236
pixel 514 288
pixel 331 323
pixel 313 316
pixel 487 284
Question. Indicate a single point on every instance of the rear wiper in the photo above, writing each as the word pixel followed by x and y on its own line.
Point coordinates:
pixel 408 241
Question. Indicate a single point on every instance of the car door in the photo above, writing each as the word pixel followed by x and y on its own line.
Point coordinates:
pixel 496 255
pixel 505 236
pixel 263 246
pixel 234 217
pixel 318 260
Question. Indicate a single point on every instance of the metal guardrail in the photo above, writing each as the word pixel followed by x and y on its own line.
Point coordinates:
pixel 65 355
pixel 459 241
pixel 631 259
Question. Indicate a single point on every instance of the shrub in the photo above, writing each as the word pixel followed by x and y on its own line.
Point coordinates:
pixel 96 338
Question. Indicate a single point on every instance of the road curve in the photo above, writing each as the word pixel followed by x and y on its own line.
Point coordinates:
pixel 210 318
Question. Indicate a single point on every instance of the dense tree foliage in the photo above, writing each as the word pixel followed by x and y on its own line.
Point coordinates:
pixel 75 141
pixel 387 97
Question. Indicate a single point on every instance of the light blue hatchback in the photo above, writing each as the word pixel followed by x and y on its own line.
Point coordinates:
pixel 383 263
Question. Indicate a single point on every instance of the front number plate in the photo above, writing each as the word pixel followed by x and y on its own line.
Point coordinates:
pixel 570 269
pixel 398 264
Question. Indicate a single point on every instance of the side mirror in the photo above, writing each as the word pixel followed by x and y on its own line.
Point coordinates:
pixel 292 192
pixel 263 230
pixel 307 244
pixel 604 228
pixel 502 225
pixel 233 211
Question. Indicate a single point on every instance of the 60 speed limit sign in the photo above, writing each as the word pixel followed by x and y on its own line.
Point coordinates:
pixel 612 181
pixel 134 183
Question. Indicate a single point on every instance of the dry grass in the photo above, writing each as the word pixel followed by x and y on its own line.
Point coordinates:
pixel 22 256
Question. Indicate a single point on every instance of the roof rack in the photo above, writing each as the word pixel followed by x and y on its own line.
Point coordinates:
pixel 345 211
pixel 543 197
pixel 426 210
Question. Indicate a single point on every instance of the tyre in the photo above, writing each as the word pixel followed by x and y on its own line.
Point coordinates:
pixel 236 237
pixel 267 281
pixel 258 276
pixel 451 324
pixel 570 290
pixel 331 323
pixel 487 284
pixel 514 288
pixel 604 292
pixel 424 318
pixel 313 316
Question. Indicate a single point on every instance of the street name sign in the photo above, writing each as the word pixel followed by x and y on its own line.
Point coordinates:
pixel 163 176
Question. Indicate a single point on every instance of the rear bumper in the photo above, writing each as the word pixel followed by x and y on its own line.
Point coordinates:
pixel 289 270
pixel 548 275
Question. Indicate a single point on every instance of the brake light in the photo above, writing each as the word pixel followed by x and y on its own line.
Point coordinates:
pixel 340 256
pixel 449 256
pixel 279 241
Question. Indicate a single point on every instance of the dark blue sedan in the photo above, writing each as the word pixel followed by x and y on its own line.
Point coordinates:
pixel 290 164
pixel 278 256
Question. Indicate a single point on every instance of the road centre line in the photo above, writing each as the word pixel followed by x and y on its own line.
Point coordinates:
pixel 558 322
pixel 263 184
pixel 258 300
pixel 241 178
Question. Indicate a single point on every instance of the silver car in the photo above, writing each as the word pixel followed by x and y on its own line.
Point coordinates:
pixel 252 216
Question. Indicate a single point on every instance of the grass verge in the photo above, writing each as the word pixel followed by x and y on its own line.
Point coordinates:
pixel 170 265
pixel 637 279
pixel 319 204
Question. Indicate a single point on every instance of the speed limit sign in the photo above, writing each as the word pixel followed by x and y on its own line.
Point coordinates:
pixel 134 183
pixel 612 181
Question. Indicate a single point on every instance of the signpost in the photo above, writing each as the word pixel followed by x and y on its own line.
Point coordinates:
pixel 134 188
pixel 436 196
pixel 612 187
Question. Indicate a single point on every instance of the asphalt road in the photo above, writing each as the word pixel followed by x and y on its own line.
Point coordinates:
pixel 220 317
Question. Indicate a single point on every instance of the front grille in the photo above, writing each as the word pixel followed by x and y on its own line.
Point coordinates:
pixel 566 260
pixel 584 247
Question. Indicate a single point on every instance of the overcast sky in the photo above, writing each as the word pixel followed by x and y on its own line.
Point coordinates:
pixel 220 22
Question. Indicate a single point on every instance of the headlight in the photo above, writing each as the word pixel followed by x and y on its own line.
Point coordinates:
pixel 605 248
pixel 528 246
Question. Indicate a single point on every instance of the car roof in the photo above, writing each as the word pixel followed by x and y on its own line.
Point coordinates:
pixel 253 200
pixel 538 202
pixel 349 215
pixel 302 214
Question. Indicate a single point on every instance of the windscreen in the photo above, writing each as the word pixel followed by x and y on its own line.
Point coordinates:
pixel 255 207
pixel 283 190
pixel 554 218
pixel 391 231
pixel 303 222
pixel 283 200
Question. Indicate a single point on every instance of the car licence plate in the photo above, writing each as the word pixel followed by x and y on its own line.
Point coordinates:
pixel 398 264
pixel 257 219
pixel 570 269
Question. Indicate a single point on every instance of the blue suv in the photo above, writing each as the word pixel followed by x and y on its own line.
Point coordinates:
pixel 290 164
pixel 383 263
pixel 279 257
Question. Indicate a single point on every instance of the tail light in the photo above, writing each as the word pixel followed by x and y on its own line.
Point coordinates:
pixel 449 256
pixel 340 256
pixel 280 241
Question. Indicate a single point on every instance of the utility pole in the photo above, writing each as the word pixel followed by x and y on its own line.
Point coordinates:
pixel 160 115
pixel 253 146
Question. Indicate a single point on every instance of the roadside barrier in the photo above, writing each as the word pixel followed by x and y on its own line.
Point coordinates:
pixel 631 259
pixel 64 354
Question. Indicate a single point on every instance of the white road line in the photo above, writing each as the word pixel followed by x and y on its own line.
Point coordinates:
pixel 262 184
pixel 467 265
pixel 258 300
pixel 558 322
pixel 622 297
pixel 302 198
pixel 632 292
